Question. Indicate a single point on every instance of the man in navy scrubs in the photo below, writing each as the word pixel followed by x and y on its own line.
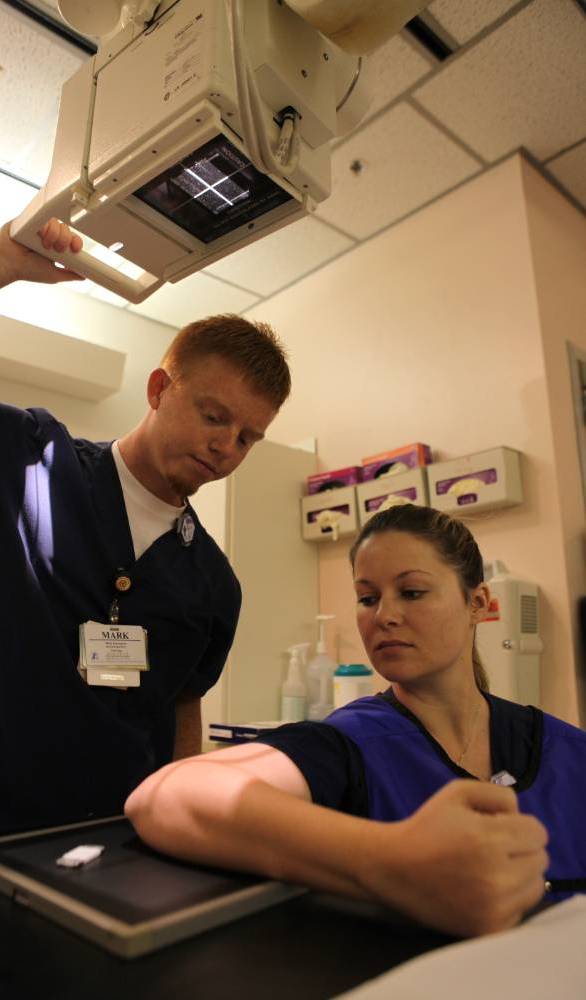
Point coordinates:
pixel 102 533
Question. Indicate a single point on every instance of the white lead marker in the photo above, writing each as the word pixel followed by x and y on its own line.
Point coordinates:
pixel 79 856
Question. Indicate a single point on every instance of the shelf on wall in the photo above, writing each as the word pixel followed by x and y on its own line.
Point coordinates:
pixel 54 361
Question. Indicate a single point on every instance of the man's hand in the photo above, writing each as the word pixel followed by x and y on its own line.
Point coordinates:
pixel 469 863
pixel 18 263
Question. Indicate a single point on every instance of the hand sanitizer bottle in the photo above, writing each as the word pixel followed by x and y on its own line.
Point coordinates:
pixel 320 674
pixel 293 691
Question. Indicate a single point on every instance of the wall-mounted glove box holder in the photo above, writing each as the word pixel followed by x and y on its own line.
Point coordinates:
pixel 330 515
pixel 405 487
pixel 483 481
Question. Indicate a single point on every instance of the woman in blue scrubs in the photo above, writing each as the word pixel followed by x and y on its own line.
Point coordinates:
pixel 366 802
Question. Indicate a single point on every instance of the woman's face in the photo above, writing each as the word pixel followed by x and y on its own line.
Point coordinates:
pixel 412 615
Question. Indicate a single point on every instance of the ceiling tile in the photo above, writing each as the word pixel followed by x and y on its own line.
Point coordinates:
pixel 84 287
pixel 283 257
pixel 194 298
pixel 406 162
pixel 32 159
pixel 35 64
pixel 14 197
pixel 464 20
pixel 570 170
pixel 105 295
pixel 522 85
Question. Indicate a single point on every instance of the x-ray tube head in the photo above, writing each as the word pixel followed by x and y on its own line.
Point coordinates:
pixel 190 135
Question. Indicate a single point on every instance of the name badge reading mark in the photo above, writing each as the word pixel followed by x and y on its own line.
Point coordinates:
pixel 113 646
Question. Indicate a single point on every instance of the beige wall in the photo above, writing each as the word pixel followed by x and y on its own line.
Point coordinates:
pixel 450 329
pixel 558 246
pixel 432 332
pixel 142 340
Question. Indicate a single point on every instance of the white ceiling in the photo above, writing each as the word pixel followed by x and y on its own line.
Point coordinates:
pixel 517 79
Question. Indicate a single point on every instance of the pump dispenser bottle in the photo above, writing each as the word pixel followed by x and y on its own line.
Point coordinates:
pixel 320 676
pixel 293 691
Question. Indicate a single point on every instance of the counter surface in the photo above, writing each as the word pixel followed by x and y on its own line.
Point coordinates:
pixel 313 947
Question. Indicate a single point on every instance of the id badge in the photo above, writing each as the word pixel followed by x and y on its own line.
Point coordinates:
pixel 112 655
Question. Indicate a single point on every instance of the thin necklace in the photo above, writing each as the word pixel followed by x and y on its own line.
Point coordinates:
pixel 470 735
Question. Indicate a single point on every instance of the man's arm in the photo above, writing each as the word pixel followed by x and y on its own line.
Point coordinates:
pixel 187 726
pixel 467 862
pixel 18 263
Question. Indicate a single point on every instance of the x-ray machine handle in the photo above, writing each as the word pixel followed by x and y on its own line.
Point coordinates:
pixel 25 229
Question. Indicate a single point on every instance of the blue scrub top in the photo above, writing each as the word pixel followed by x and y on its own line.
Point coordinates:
pixel 69 751
pixel 374 758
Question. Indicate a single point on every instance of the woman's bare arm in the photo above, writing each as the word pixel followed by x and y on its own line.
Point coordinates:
pixel 466 863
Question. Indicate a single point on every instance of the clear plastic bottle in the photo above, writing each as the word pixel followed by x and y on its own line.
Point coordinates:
pixel 293 691
pixel 320 674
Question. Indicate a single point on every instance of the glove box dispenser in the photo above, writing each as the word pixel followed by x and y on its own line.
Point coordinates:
pixel 483 481
pixel 329 515
pixel 405 487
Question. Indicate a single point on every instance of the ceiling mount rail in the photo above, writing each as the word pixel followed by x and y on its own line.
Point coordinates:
pixel 54 25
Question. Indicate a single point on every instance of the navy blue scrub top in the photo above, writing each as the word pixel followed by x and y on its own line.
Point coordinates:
pixel 69 751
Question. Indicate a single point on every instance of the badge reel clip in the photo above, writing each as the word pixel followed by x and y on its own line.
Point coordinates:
pixel 185 527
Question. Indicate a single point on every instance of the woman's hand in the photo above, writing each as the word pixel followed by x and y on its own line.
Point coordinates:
pixel 18 263
pixel 467 862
